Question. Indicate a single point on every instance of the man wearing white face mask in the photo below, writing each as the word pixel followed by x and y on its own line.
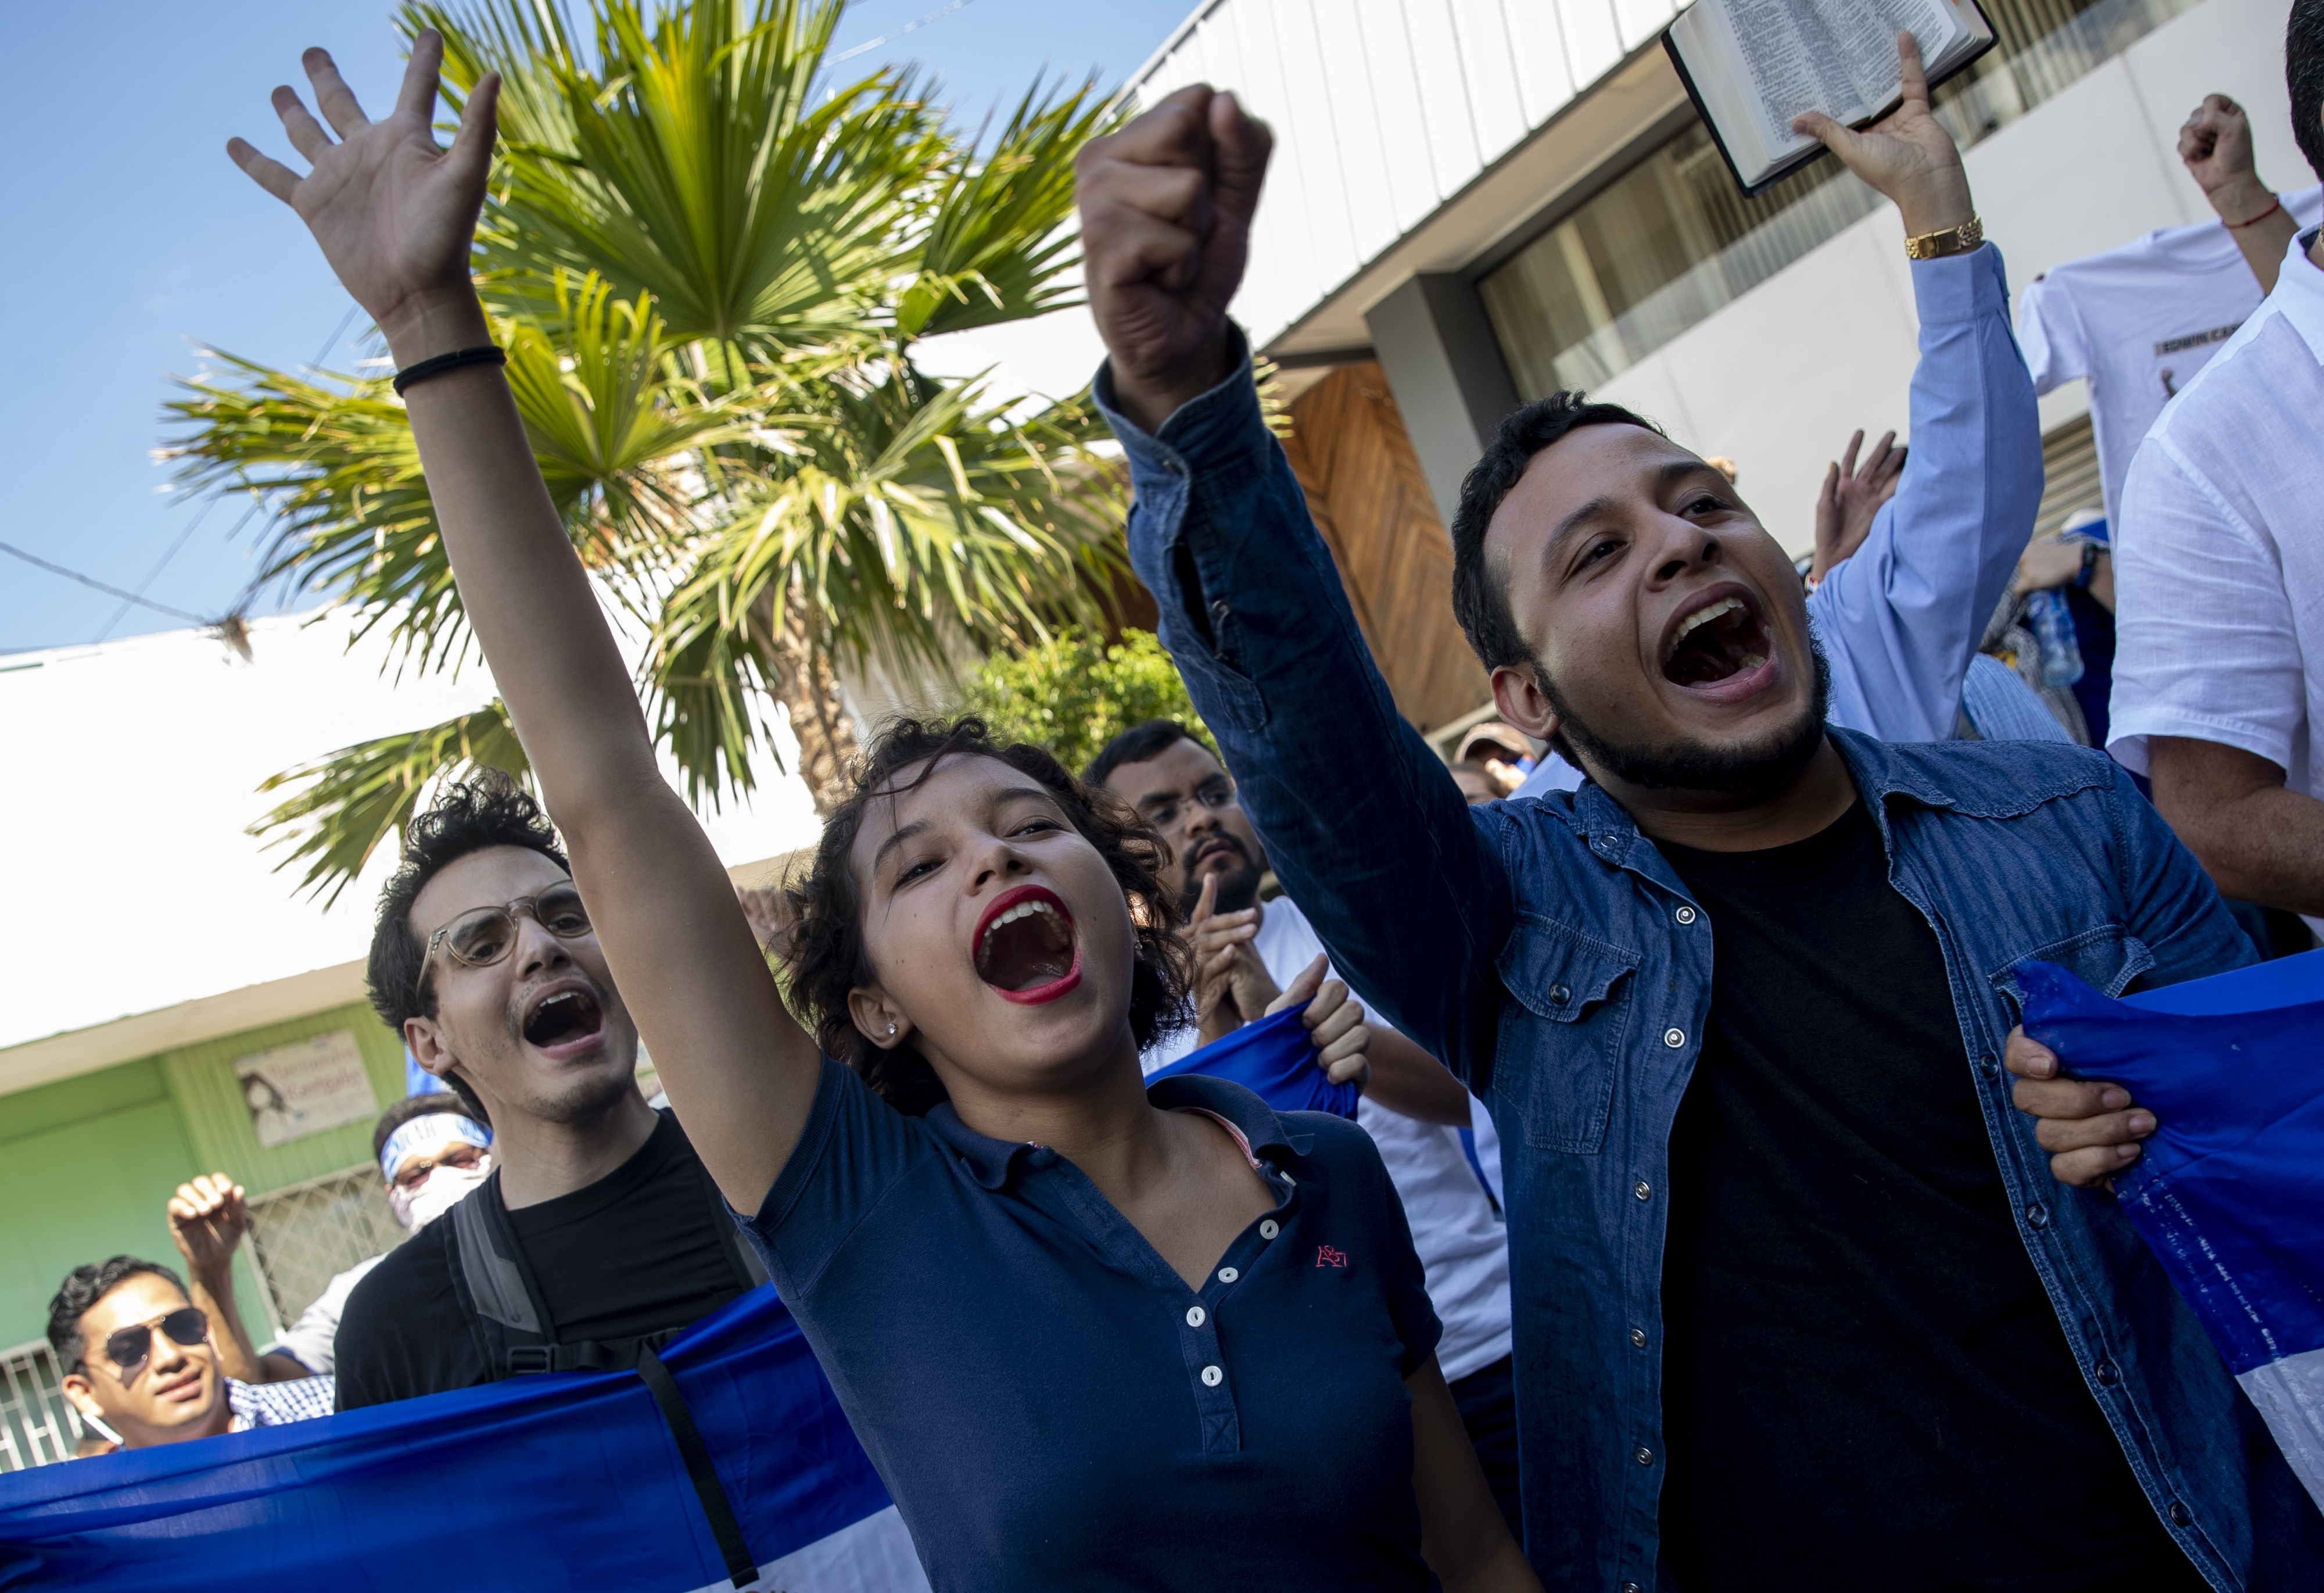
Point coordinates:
pixel 430 1152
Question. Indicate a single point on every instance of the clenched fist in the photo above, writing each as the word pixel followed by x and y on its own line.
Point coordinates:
pixel 209 1216
pixel 1165 208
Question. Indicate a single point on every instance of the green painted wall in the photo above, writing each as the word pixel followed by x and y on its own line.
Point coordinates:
pixel 89 1180
pixel 201 1081
pixel 86 1165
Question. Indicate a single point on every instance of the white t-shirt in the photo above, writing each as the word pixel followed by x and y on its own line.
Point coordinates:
pixel 1462 1242
pixel 2137 322
pixel 312 1339
pixel 2219 562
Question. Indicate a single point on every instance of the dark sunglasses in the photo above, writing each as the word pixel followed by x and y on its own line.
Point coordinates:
pixel 127 1347
pixel 484 935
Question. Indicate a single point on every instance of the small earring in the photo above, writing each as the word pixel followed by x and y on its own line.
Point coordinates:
pixel 892 1029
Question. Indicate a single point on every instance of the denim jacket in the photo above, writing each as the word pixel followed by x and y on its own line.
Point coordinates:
pixel 1547 953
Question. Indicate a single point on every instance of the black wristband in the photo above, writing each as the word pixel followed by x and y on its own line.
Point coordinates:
pixel 437 365
pixel 2090 551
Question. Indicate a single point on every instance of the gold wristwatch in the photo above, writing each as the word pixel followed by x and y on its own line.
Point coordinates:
pixel 1951 240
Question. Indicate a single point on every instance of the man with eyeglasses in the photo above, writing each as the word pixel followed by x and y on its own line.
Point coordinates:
pixel 141 1370
pixel 485 962
pixel 1417 1113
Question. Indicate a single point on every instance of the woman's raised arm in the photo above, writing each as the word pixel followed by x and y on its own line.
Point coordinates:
pixel 396 217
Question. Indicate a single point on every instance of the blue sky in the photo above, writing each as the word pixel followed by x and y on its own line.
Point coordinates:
pixel 131 241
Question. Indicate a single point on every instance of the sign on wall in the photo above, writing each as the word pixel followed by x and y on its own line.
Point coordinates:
pixel 305 1086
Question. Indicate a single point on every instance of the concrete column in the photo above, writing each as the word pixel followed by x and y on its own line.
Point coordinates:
pixel 1446 368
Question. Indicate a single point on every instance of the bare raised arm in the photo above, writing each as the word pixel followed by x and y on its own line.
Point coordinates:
pixel 395 215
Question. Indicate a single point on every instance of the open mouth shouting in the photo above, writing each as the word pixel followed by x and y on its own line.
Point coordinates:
pixel 564 1019
pixel 1025 947
pixel 1718 645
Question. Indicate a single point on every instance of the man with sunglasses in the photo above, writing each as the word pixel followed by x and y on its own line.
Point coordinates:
pixel 485 962
pixel 139 1367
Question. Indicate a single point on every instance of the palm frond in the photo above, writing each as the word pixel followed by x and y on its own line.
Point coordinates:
pixel 696 161
pixel 916 519
pixel 606 416
pixel 998 244
pixel 347 803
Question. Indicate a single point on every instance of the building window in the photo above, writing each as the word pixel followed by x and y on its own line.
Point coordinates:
pixel 1671 241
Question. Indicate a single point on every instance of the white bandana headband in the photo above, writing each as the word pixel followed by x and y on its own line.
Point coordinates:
pixel 423 1137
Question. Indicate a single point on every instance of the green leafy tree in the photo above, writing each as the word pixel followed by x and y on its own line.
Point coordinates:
pixel 1073 693
pixel 711 255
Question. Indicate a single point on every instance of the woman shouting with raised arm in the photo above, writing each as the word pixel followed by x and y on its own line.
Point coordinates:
pixel 1092 1335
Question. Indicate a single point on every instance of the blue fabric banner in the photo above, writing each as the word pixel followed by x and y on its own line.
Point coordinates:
pixel 2230 1189
pixel 553 1484
pixel 1273 1060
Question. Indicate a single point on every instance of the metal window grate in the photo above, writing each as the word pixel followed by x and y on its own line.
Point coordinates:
pixel 37 1424
pixel 305 1234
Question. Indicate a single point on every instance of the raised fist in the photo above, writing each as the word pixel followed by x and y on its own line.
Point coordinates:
pixel 2215 144
pixel 209 1216
pixel 1165 208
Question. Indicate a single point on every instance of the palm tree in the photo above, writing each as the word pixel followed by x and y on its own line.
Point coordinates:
pixel 710 256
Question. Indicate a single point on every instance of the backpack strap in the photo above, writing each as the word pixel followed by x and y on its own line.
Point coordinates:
pixel 701 1471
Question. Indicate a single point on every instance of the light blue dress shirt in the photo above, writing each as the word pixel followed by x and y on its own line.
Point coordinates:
pixel 1900 619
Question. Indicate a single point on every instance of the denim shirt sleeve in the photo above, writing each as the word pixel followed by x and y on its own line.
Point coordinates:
pixel 1902 618
pixel 1360 820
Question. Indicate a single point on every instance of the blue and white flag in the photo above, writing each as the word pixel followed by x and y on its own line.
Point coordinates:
pixel 2230 1189
pixel 566 1483
pixel 1275 1062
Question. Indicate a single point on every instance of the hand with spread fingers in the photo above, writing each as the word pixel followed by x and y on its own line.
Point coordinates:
pixel 394 214
pixel 1907 154
pixel 209 1216
pixel 1851 498
pixel 1335 1023
pixel 1232 985
pixel 2091 1129
pixel 1165 211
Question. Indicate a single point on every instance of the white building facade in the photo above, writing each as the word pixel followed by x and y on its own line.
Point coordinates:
pixel 1495 198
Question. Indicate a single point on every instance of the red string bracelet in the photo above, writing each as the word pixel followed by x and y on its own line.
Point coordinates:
pixel 2274 206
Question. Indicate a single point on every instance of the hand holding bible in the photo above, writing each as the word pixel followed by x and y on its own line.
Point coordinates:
pixel 1907 155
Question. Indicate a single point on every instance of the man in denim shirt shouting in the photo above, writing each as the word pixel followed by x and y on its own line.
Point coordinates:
pixel 1796 1293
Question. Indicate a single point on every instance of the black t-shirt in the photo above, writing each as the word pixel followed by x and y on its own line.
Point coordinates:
pixel 1864 1383
pixel 642 1249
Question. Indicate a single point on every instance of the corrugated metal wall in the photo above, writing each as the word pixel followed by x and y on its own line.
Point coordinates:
pixel 1382 110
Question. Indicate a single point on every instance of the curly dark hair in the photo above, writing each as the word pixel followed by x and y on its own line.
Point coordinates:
pixel 83 1287
pixel 488 810
pixel 1481 599
pixel 824 955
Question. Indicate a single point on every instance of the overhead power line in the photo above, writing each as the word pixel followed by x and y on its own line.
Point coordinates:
pixel 97 585
pixel 938 14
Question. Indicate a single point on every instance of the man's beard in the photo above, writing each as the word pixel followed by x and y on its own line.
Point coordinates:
pixel 1238 885
pixel 1760 768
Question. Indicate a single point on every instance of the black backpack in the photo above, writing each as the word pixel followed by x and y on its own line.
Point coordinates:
pixel 497 1293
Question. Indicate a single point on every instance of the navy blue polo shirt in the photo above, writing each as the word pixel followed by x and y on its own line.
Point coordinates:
pixel 1048 1402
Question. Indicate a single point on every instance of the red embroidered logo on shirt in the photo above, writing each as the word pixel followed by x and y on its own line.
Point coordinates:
pixel 1326 1255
